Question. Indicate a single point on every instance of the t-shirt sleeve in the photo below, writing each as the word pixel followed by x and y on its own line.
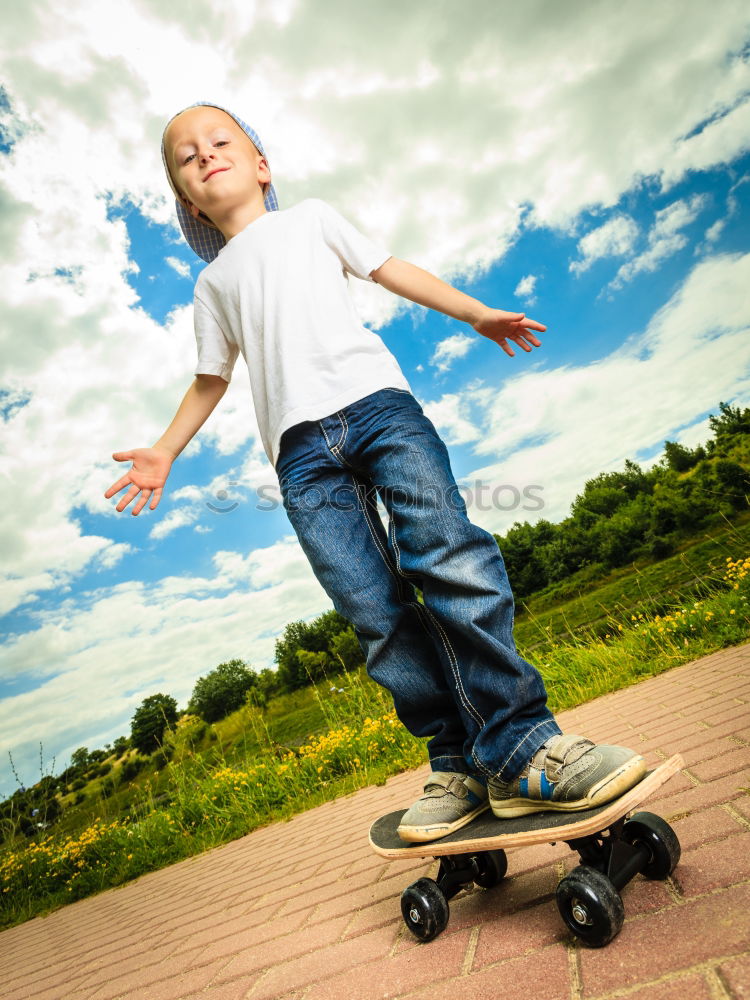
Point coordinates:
pixel 217 352
pixel 358 254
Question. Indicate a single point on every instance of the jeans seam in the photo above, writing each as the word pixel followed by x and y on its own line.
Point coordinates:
pixel 465 701
pixel 520 744
pixel 384 554
pixel 344 432
pixel 397 550
pixel 476 715
pixel 333 449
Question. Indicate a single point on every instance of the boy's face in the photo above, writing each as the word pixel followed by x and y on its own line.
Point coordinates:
pixel 213 162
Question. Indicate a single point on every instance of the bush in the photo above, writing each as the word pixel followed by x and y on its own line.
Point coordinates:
pixel 155 715
pixel 131 768
pixel 222 692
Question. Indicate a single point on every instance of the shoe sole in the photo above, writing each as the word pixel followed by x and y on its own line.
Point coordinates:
pixel 608 789
pixel 423 834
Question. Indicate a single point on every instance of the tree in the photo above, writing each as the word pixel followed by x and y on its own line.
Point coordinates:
pixel 157 713
pixel 79 759
pixel 732 420
pixel 733 482
pixel 311 637
pixel 346 650
pixel 679 458
pixel 222 691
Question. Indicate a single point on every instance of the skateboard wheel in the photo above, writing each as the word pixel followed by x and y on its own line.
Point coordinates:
pixel 425 909
pixel 658 836
pixel 492 868
pixel 590 906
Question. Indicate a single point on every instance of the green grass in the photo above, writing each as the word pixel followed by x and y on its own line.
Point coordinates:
pixel 260 765
pixel 579 606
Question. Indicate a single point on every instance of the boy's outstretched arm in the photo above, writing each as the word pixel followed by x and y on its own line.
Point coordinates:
pixel 418 285
pixel 151 466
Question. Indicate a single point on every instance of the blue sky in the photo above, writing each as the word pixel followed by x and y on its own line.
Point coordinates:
pixel 606 196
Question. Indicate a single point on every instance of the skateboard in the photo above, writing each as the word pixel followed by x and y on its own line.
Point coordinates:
pixel 614 846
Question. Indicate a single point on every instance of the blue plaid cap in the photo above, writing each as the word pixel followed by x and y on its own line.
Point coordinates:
pixel 201 233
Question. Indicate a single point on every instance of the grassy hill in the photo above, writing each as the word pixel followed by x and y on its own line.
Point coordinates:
pixel 574 611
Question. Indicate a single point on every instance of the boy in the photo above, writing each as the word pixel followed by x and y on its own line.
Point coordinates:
pixel 340 426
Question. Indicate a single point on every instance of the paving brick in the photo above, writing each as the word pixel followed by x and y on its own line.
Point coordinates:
pixel 543 975
pixel 672 941
pixel 321 964
pixel 700 797
pixel 512 934
pixel 704 827
pixel 167 981
pixel 393 977
pixel 352 899
pixel 521 859
pixel 736 975
pixel 742 804
pixel 713 866
pixel 386 913
pixel 727 763
pixel 707 751
pixel 692 987
pixel 237 990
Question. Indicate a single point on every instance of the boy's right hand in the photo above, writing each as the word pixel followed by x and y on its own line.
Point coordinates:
pixel 147 476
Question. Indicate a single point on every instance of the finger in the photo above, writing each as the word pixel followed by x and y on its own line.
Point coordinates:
pixel 122 456
pixel 145 494
pixel 528 338
pixel 531 324
pixel 522 344
pixel 116 487
pixel 130 495
pixel 156 498
pixel 506 347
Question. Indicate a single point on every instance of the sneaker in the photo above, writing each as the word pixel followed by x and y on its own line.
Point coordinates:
pixel 567 773
pixel 450 801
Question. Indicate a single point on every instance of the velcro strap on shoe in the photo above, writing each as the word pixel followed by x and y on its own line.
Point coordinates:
pixel 568 749
pixel 457 784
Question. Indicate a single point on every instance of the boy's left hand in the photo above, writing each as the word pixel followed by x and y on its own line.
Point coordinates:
pixel 501 326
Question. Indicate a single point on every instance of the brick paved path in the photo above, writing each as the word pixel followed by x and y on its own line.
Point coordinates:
pixel 305 910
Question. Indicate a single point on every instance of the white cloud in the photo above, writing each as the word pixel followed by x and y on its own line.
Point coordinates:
pixel 451 413
pixel 612 239
pixel 451 349
pixel 173 520
pixel 525 288
pixel 664 238
pixel 559 427
pixel 180 266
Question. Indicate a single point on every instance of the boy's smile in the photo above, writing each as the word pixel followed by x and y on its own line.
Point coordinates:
pixel 217 168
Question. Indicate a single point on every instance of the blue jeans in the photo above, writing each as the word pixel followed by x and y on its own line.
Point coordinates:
pixel 450 663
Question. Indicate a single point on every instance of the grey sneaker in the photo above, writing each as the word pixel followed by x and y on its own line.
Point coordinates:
pixel 450 801
pixel 567 773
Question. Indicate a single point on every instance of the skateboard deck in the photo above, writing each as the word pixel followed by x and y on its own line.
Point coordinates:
pixel 486 833
pixel 613 843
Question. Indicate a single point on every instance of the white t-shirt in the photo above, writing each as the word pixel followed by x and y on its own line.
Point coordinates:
pixel 278 293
